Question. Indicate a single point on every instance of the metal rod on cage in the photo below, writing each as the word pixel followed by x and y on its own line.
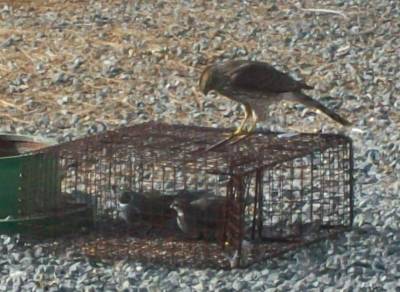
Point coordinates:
pixel 241 189
pixel 206 177
pixel 270 200
pixel 141 176
pixel 76 174
pixel 174 178
pixel 229 197
pixel 152 177
pixel 321 174
pixel 260 224
pixel 184 174
pixel 256 198
pixel 351 180
pixel 333 184
pixel 282 208
pixel 130 171
pixel 163 179
pixel 291 198
pixel 312 187
pixel 301 191
pixel 342 187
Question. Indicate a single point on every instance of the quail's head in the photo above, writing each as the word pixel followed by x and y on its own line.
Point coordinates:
pixel 177 205
pixel 125 197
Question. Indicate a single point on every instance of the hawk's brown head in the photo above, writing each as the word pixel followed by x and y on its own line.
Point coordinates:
pixel 207 80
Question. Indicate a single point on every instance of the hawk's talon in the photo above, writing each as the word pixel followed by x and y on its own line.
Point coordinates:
pixel 232 139
pixel 240 132
pixel 251 129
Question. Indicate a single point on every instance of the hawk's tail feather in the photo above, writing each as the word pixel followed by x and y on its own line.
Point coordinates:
pixel 310 102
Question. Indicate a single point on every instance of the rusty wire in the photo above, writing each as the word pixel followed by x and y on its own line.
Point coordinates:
pixel 277 188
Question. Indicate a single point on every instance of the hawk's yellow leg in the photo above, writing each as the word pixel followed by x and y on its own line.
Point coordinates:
pixel 253 125
pixel 247 113
pixel 240 132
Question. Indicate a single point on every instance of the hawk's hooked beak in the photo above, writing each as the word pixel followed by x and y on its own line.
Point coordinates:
pixel 203 89
pixel 206 79
pixel 206 90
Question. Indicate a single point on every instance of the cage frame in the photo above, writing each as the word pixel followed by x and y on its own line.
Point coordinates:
pixel 232 161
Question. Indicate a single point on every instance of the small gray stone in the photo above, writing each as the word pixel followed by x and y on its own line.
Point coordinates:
pixel 78 61
pixel 38 251
pixel 63 100
pixel 16 256
pixel 199 287
pixel 239 285
pixel 60 78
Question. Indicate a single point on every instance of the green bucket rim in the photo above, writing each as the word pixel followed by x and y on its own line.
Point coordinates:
pixel 45 142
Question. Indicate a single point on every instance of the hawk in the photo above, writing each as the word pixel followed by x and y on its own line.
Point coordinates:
pixel 256 85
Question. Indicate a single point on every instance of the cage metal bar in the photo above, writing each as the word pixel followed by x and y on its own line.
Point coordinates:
pixel 351 180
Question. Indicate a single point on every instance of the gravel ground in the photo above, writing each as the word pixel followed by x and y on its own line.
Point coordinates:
pixel 72 68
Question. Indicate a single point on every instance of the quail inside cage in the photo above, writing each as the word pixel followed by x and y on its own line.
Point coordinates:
pixel 199 217
pixel 192 214
pixel 146 206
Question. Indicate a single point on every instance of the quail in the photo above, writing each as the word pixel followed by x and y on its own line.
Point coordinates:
pixel 200 218
pixel 146 206
pixel 128 211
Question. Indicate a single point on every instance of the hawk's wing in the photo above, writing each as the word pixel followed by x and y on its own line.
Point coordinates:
pixel 259 76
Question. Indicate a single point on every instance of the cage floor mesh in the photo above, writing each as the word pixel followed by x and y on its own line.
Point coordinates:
pixel 167 249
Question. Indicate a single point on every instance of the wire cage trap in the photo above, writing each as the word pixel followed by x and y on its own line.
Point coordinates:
pixel 229 207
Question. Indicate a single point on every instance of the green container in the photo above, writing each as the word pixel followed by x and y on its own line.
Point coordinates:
pixel 30 190
pixel 14 156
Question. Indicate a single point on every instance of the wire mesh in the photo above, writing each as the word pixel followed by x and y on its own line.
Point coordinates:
pixel 275 188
